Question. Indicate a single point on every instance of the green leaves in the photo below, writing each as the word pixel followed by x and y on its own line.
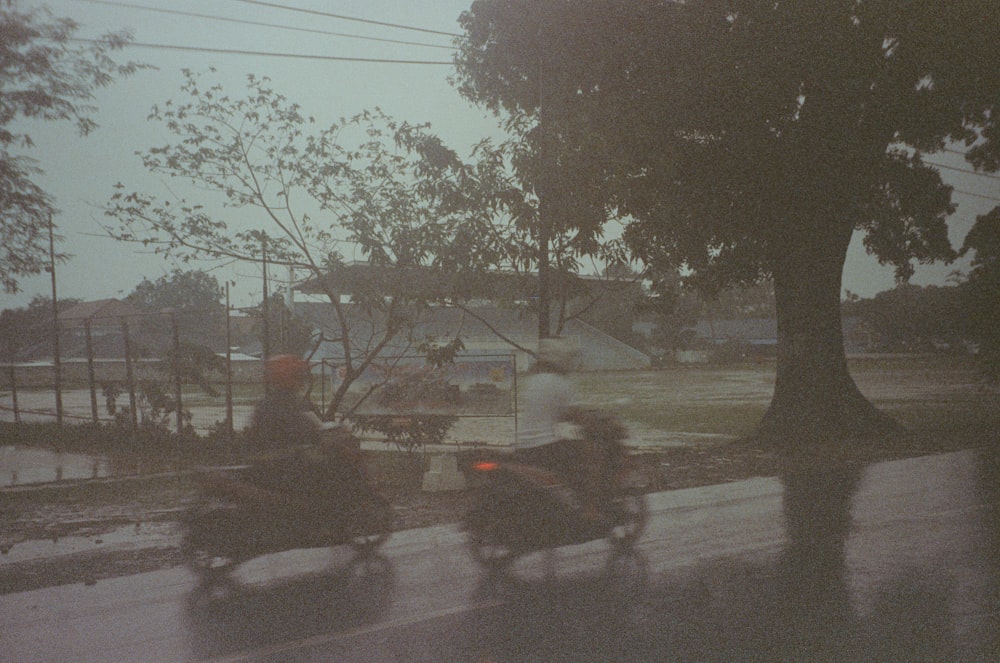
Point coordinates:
pixel 44 78
pixel 721 128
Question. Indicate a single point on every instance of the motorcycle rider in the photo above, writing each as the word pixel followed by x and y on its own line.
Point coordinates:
pixel 548 412
pixel 287 434
pixel 284 416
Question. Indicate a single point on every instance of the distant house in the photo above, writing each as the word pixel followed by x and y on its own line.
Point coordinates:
pixel 103 316
pixel 102 320
pixel 245 335
pixel 858 336
pixel 488 330
pixel 101 313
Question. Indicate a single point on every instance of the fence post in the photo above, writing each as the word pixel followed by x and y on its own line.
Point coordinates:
pixel 13 378
pixel 56 367
pixel 129 376
pixel 229 369
pixel 179 409
pixel 266 349
pixel 514 362
pixel 322 386
pixel 90 372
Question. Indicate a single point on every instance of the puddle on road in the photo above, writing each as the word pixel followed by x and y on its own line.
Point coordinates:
pixel 21 465
pixel 129 537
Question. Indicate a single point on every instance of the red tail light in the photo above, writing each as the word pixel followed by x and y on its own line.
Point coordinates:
pixel 485 466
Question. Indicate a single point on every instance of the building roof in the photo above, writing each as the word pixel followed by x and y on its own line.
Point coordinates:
pixel 101 312
pixel 483 330
pixel 358 276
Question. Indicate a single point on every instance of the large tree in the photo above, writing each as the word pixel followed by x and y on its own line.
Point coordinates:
pixel 189 299
pixel 180 291
pixel 981 292
pixel 750 140
pixel 44 75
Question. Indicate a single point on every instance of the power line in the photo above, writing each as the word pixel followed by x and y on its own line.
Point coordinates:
pixel 400 26
pixel 226 51
pixel 977 195
pixel 226 19
pixel 962 170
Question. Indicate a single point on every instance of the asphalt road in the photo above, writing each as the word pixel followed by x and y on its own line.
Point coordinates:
pixel 897 561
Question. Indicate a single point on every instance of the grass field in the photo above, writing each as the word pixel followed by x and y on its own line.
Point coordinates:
pixel 925 392
pixel 934 392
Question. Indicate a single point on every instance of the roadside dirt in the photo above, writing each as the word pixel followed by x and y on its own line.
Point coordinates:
pixel 91 515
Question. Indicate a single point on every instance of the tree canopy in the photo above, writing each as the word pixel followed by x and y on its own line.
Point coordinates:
pixel 190 290
pixel 750 140
pixel 43 76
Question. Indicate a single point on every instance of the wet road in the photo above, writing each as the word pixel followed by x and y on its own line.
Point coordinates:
pixel 897 561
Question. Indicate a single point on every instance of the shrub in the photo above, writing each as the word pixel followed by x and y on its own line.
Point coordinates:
pixel 407 432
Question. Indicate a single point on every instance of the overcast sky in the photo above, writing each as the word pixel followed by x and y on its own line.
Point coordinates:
pixel 331 83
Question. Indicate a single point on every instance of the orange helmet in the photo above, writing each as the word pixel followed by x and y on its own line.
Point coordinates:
pixel 286 372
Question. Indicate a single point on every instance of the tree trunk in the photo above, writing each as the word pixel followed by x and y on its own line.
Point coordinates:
pixel 815 399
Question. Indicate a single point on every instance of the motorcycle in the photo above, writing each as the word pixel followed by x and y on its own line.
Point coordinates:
pixel 519 509
pixel 307 498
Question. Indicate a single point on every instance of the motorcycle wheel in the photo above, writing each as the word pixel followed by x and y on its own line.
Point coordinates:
pixel 208 565
pixel 489 540
pixel 373 521
pixel 213 542
pixel 491 555
pixel 630 515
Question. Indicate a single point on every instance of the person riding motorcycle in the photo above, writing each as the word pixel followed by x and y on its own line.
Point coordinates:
pixel 284 416
pixel 293 453
pixel 548 412
pixel 305 485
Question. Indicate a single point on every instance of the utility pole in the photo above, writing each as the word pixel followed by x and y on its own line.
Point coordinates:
pixel 178 381
pixel 266 344
pixel 229 369
pixel 56 366
pixel 545 210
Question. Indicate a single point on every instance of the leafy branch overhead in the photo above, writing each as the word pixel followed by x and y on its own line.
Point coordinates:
pixel 298 192
pixel 46 76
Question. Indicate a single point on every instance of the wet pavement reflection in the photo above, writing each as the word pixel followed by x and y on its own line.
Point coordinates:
pixel 797 605
pixel 895 561
pixel 25 465
pixel 21 466
pixel 558 618
pixel 226 617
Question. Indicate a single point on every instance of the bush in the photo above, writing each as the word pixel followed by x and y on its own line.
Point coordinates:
pixel 406 431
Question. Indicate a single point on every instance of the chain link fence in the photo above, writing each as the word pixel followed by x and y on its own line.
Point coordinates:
pixel 181 371
pixel 174 369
